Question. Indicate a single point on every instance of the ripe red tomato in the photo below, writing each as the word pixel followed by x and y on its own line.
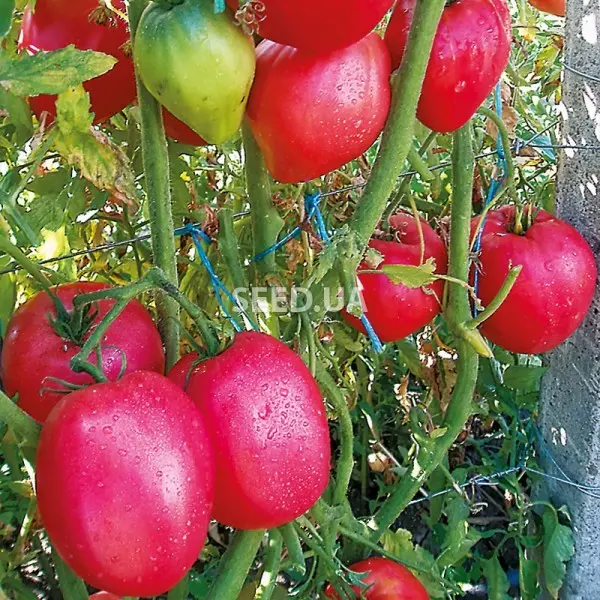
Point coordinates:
pixel 554 7
pixel 316 25
pixel 125 479
pixel 554 290
pixel 310 113
pixel 33 352
pixel 104 596
pixel 388 580
pixel 177 130
pixel 395 310
pixel 269 430
pixel 470 52
pixel 55 24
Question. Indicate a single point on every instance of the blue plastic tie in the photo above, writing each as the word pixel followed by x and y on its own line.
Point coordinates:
pixel 198 236
pixel 219 6
pixel 313 209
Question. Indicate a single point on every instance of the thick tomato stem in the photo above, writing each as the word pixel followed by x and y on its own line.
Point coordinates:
pixel 432 452
pixel 265 218
pixel 229 249
pixel 235 565
pixel 396 141
pixel 158 188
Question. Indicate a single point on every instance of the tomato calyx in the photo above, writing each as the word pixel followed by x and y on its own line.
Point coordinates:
pixel 524 218
pixel 250 15
pixel 104 16
pixel 73 326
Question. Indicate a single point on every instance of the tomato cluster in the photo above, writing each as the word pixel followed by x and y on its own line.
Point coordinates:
pixel 317 94
pixel 130 471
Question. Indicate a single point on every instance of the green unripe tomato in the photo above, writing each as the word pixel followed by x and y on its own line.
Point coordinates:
pixel 197 64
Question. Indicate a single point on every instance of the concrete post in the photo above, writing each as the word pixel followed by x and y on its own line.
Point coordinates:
pixel 570 411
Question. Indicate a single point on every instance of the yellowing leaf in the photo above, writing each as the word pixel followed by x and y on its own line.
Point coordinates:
pixel 90 150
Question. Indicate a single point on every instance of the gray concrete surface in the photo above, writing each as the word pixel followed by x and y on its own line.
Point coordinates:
pixel 570 414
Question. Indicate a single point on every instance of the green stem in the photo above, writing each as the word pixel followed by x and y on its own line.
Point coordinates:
pixel 15 557
pixel 398 133
pixel 396 141
pixel 266 221
pixel 22 425
pixel 154 279
pixel 432 452
pixel 71 586
pixel 506 147
pixel 419 164
pixel 235 565
pixel 345 463
pixel 499 298
pixel 155 159
pixel 24 261
pixel 294 548
pixel 315 543
pixel 228 246
pixel 272 563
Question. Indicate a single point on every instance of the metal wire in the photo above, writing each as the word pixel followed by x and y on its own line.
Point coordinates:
pixel 581 73
pixel 518 146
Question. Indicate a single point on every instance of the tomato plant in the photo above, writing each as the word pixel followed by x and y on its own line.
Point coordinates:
pixel 268 426
pixel 554 7
pixel 311 113
pixel 198 64
pixel 310 442
pixel 55 24
pixel 35 362
pixel 470 52
pixel 554 290
pixel 384 580
pixel 395 310
pixel 313 25
pixel 125 483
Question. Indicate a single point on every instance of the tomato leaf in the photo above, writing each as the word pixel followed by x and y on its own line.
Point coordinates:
pixel 524 378
pixel 528 577
pixel 20 115
pixel 399 543
pixel 90 150
pixel 7 8
pixel 497 580
pixel 410 275
pixel 52 72
pixel 559 547
pixel 8 295
pixel 460 538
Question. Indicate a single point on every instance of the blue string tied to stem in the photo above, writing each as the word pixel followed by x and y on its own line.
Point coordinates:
pixel 313 210
pixel 198 236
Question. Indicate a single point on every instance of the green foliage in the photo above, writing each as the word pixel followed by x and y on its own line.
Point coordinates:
pixel 52 72
pixel 77 186
pixel 558 549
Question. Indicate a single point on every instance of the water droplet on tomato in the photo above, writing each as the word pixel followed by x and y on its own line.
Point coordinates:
pixel 107 429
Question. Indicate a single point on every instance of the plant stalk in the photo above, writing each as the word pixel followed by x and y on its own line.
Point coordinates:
pixel 235 565
pixel 155 159
pixel 432 452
